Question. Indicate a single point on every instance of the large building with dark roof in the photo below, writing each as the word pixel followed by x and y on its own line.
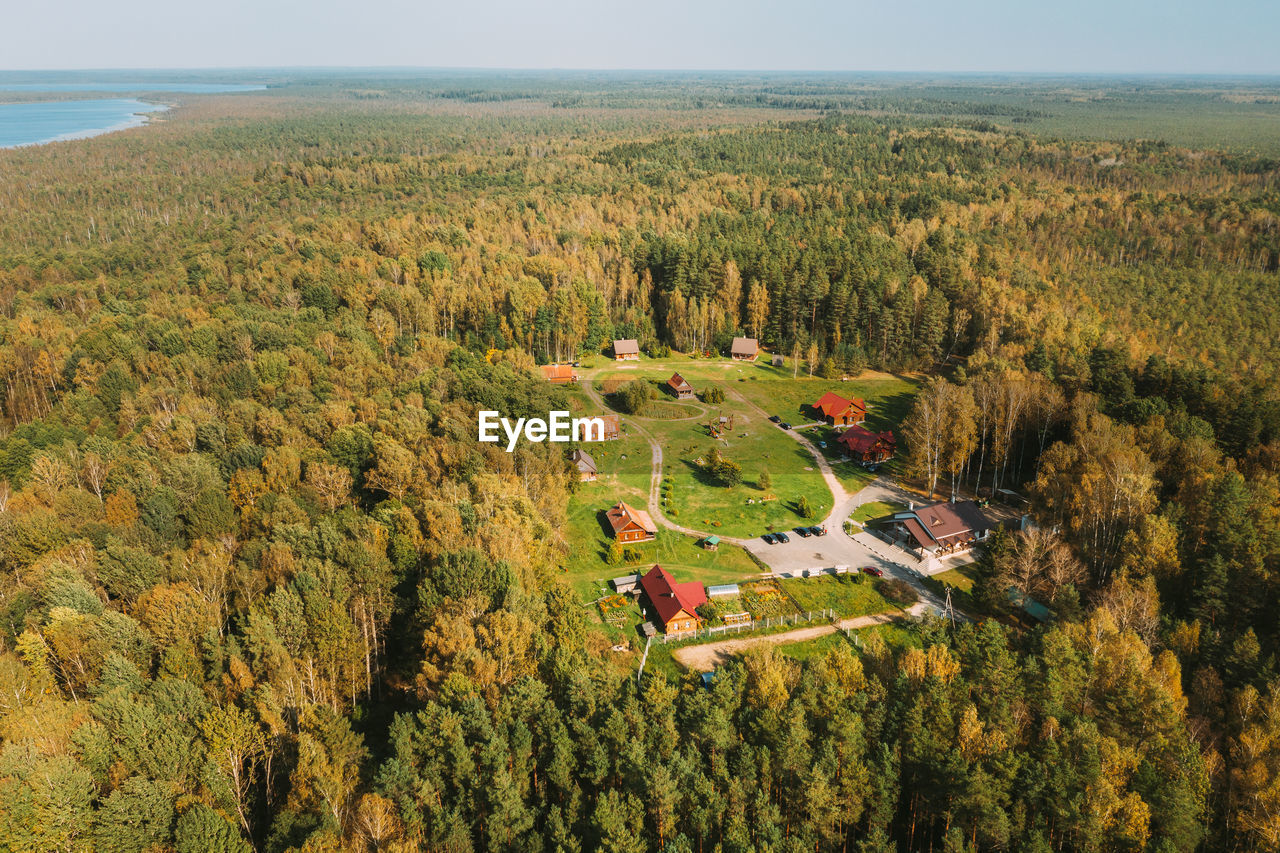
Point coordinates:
pixel 943 528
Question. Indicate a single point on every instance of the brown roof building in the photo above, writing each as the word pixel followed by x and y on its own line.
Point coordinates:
pixel 630 524
pixel 866 446
pixel 676 605
pixel 682 389
pixel 944 528
pixel 626 349
pixel 612 427
pixel 744 349
pixel 838 411
pixel 559 374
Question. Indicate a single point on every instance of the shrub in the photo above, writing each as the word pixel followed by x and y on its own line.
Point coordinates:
pixel 897 591
pixel 713 394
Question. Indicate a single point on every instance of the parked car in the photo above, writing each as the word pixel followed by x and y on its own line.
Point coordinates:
pixel 822 444
pixel 782 537
pixel 804 532
pixel 873 571
pixel 768 538
pixel 785 425
pixel 775 419
pixel 818 531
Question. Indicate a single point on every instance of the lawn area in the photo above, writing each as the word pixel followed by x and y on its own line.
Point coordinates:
pixel 960 579
pixel 744 510
pixel 895 635
pixel 816 648
pixel 696 499
pixel 876 509
pixel 888 398
pixel 848 595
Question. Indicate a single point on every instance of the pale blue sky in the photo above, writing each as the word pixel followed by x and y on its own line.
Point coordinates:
pixel 1126 36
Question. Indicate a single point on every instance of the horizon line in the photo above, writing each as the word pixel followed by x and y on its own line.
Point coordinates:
pixel 640 70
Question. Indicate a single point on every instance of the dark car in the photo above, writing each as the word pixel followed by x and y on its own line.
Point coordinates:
pixel 782 537
pixel 785 425
pixel 873 571
pixel 775 419
pixel 804 532
pixel 818 531
pixel 768 538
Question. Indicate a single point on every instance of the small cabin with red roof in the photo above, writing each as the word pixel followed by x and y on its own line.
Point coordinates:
pixel 678 386
pixel 838 411
pixel 674 606
pixel 863 445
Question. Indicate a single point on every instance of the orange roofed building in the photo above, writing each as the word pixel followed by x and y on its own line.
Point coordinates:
pixel 630 524
pixel 675 605
pixel 559 374
pixel 838 411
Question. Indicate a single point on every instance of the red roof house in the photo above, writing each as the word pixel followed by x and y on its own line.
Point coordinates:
pixel 838 411
pixel 866 446
pixel 680 387
pixel 675 605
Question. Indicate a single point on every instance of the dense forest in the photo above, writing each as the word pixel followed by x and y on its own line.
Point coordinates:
pixel 261 589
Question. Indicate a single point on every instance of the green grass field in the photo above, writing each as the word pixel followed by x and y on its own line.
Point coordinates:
pixel 876 509
pixel 846 594
pixel 960 580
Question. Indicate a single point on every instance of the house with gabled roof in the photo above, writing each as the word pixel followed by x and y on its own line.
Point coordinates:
pixel 559 374
pixel 630 524
pixel 626 349
pixel 838 411
pixel 866 446
pixel 943 528
pixel 587 468
pixel 744 349
pixel 674 606
pixel 678 386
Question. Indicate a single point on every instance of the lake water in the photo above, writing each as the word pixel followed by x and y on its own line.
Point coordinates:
pixel 140 86
pixel 53 121
pixel 38 122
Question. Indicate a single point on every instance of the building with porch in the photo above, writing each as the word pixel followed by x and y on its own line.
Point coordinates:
pixel 942 529
pixel 626 349
pixel 744 349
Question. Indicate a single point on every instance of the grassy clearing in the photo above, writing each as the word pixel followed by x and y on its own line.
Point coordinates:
pixel 848 595
pixel 744 510
pixel 876 509
pixel 815 648
pixel 960 580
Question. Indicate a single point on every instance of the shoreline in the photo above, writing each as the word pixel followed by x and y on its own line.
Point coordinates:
pixel 137 118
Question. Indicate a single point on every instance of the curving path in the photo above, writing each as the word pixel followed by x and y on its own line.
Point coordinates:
pixel 655 475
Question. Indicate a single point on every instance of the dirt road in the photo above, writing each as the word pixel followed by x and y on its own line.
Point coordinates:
pixel 707 656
